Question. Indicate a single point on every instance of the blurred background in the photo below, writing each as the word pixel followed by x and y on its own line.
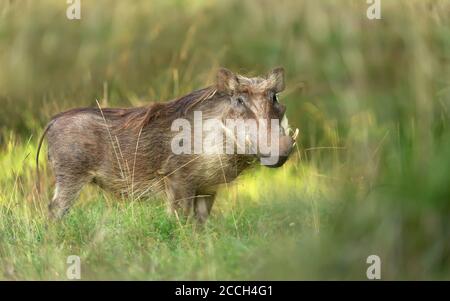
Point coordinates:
pixel 371 98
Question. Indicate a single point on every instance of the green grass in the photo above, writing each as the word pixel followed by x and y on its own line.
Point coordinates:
pixel 370 176
pixel 123 239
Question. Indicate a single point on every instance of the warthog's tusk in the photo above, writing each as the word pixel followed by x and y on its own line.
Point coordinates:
pixel 295 134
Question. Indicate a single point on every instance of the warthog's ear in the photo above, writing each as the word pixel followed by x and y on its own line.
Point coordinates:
pixel 276 79
pixel 226 81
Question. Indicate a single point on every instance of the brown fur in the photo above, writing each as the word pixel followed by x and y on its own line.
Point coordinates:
pixel 127 151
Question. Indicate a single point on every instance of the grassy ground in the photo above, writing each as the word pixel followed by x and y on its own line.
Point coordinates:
pixel 370 176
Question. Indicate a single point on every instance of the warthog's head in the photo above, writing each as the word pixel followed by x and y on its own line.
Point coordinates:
pixel 256 99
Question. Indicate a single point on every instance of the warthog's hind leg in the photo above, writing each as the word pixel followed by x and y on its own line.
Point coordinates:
pixel 66 191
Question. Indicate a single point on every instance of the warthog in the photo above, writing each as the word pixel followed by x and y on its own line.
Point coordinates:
pixel 130 151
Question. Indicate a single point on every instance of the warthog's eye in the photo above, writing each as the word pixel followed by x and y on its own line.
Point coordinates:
pixel 274 98
pixel 240 100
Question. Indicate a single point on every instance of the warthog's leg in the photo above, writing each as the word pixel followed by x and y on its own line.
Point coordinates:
pixel 180 196
pixel 66 191
pixel 202 207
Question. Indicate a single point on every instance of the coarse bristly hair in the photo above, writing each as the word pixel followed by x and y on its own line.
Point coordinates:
pixel 141 117
pixel 129 152
pixel 138 118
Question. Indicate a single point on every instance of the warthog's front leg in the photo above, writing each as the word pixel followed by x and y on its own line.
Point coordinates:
pixel 202 207
pixel 180 197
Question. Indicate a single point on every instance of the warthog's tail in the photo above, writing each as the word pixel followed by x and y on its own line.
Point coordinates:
pixel 38 178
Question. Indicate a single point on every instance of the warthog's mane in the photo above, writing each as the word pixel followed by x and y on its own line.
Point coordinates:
pixel 139 117
pixel 171 110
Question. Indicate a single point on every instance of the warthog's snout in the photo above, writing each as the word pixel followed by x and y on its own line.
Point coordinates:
pixel 286 144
